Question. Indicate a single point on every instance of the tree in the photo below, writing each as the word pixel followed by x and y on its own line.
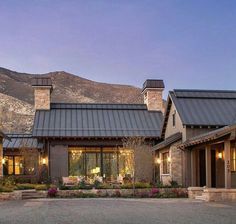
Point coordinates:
pixel 141 158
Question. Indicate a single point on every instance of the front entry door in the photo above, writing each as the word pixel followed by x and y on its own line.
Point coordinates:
pixel 202 167
pixel 213 168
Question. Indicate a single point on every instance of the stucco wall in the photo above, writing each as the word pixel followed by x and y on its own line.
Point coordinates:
pixel 58 161
pixel 144 164
pixel 170 129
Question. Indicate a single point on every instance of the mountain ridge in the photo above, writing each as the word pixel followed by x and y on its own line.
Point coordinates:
pixel 17 93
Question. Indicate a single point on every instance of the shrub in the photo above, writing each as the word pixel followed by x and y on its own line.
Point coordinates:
pixel 7 181
pixel 174 184
pixel 52 192
pixel 142 194
pixel 6 189
pixel 24 186
pixel 154 192
pixel 41 187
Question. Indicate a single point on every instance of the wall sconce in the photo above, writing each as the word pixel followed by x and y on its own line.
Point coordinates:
pixel 44 161
pixel 3 161
pixel 158 160
pixel 220 155
pixel 168 159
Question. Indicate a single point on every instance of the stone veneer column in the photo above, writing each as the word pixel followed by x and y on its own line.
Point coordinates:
pixel 153 99
pixel 42 98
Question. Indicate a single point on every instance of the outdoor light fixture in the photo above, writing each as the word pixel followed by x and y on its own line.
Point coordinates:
pixel 44 161
pixel 220 155
pixel 158 160
pixel 168 159
pixel 3 161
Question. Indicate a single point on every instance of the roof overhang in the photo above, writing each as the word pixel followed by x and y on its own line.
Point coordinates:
pixel 168 141
pixel 225 132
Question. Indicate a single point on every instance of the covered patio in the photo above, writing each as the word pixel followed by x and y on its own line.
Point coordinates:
pixel 211 158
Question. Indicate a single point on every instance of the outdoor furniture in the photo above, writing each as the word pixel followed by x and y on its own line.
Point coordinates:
pixel 69 181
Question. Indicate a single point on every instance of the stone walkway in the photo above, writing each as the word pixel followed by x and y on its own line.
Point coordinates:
pixel 130 211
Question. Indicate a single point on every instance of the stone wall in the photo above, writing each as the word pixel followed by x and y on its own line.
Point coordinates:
pixel 176 164
pixel 42 98
pixel 153 99
pixel 16 195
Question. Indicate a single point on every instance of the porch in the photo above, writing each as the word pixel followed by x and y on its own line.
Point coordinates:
pixel 214 165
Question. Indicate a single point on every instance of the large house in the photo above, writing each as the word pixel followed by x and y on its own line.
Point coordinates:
pixel 194 143
pixel 87 139
pixel 199 133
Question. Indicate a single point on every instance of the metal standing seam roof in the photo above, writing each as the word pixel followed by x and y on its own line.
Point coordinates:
pixel 97 120
pixel 205 107
pixel 168 141
pixel 41 81
pixel 21 140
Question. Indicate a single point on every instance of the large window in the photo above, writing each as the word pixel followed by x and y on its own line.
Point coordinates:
pixel 14 165
pixel 233 157
pixel 108 162
pixel 165 163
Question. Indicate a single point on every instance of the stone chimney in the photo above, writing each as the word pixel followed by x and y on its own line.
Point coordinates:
pixel 42 93
pixel 152 93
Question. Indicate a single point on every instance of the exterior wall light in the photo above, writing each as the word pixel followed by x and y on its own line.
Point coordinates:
pixel 168 159
pixel 44 161
pixel 220 155
pixel 158 160
pixel 3 161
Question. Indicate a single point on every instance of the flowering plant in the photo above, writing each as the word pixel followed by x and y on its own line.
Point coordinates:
pixel 52 192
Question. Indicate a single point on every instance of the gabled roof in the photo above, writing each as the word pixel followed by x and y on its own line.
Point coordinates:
pixel 210 136
pixel 97 120
pixel 204 107
pixel 168 141
pixel 21 141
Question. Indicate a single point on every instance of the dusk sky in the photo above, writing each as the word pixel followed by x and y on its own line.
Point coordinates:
pixel 189 44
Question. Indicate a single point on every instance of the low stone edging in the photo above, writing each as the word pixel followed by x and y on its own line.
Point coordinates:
pixel 142 192
pixel 194 191
pixel 15 195
pixel 221 194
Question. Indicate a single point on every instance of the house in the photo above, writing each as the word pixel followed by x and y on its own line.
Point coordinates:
pixel 198 139
pixel 71 139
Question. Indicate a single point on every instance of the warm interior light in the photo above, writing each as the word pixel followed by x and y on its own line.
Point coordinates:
pixel 220 155
pixel 44 161
pixel 158 160
pixel 168 159
pixel 3 161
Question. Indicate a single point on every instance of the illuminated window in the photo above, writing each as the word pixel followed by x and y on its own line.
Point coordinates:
pixel 165 163
pixel 13 165
pixel 233 157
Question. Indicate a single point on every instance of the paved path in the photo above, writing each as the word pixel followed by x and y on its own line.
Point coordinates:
pixel 130 211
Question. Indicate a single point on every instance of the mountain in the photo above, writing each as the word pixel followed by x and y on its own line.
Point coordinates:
pixel 16 95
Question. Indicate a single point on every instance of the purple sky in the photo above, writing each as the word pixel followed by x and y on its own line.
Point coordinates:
pixel 189 44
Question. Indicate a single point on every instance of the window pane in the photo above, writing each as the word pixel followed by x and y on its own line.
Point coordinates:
pixel 166 167
pixel 233 157
pixel 19 169
pixel 93 162
pixel 126 163
pixel 110 164
pixel 77 162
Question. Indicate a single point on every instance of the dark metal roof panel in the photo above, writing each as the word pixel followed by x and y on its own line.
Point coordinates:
pixel 168 141
pixel 21 140
pixel 205 111
pixel 41 81
pixel 153 83
pixel 103 120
